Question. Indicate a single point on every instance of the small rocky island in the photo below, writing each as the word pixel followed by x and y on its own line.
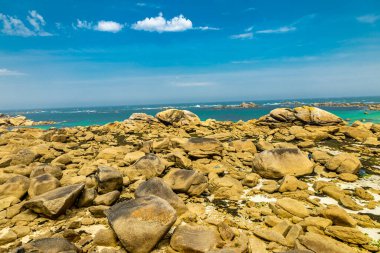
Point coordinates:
pixel 295 180
pixel 19 121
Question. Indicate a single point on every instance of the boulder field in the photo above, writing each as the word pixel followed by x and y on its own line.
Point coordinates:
pixel 296 180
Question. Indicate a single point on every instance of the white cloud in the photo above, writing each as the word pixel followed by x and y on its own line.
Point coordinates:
pixel 194 84
pixel 38 22
pixel 83 24
pixel 108 26
pixel 368 19
pixel 149 5
pixel 206 28
pixel 242 36
pixel 160 24
pixel 102 26
pixel 284 29
pixel 7 72
pixel 14 26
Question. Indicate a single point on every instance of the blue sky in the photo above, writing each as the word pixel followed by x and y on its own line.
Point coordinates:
pixel 83 53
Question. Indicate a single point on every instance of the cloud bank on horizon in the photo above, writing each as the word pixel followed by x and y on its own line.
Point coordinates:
pixel 71 46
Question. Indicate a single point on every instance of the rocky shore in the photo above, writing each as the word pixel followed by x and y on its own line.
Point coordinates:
pixel 296 180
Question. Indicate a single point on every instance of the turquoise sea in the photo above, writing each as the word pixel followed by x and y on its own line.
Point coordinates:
pixel 86 116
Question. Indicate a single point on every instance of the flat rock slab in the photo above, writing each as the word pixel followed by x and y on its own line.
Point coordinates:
pixel 141 223
pixel 49 245
pixel 54 203
pixel 323 244
pixel 188 238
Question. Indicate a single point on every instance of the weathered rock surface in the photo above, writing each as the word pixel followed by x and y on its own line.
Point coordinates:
pixel 49 245
pixel 188 238
pixel 322 244
pixel 187 181
pixel 346 234
pixel 141 223
pixel 277 163
pixel 294 207
pixel 203 147
pixel 146 167
pixel 16 186
pixel 178 117
pixel 109 179
pixel 302 115
pixel 157 187
pixel 42 183
pixel 344 163
pixel 54 203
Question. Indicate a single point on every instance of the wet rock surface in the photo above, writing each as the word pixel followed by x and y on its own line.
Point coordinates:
pixel 296 180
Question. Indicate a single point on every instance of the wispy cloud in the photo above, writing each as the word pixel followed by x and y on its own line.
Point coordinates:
pixel 148 5
pixel 160 24
pixel 368 19
pixel 102 26
pixel 7 72
pixel 250 9
pixel 207 28
pixel 242 36
pixel 283 29
pixel 14 26
pixel 194 84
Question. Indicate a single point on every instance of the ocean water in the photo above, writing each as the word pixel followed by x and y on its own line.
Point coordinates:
pixel 86 116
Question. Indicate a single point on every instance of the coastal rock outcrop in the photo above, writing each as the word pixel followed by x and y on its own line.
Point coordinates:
pixel 301 116
pixel 216 186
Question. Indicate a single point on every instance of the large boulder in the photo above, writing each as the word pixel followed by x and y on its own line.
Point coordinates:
pixel 15 186
pixel 188 238
pixel 225 187
pixel 305 115
pixel 49 245
pixel 47 168
pixel 157 187
pixel 283 114
pixel 178 117
pixel 344 163
pixel 322 244
pixel 146 167
pixel 316 116
pixel 24 156
pixel 42 183
pixel 54 203
pixel 279 162
pixel 109 179
pixel 359 134
pixel 338 216
pixel 187 181
pixel 203 147
pixel 141 223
